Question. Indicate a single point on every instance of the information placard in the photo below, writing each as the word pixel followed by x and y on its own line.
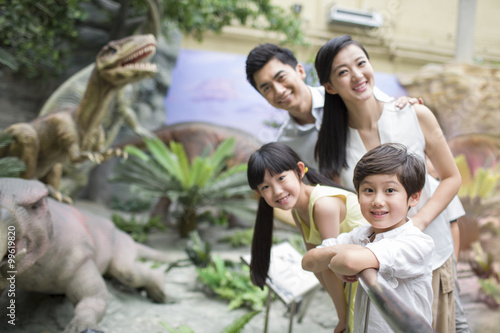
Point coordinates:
pixel 286 276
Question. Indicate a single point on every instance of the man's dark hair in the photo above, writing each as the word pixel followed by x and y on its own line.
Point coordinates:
pixel 260 56
pixel 392 159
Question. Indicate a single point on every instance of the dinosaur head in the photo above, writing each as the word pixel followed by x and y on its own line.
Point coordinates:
pixel 124 61
pixel 25 224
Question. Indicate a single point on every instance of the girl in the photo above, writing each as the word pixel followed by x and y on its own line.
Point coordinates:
pixel 275 172
pixel 355 122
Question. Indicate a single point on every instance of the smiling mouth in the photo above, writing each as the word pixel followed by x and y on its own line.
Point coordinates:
pixel 379 214
pixel 283 199
pixel 285 99
pixel 360 86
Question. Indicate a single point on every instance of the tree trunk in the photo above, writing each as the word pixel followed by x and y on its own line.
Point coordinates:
pixel 188 221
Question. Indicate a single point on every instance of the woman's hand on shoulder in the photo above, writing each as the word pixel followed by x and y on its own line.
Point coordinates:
pixel 402 101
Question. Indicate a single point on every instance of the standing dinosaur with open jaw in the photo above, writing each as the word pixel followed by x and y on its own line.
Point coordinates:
pixel 76 134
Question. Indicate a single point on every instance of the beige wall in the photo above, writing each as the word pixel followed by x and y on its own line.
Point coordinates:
pixel 414 32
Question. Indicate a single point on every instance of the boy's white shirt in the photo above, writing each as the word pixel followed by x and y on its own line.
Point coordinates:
pixel 404 256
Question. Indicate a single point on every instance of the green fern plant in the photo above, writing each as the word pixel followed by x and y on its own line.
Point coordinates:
pixel 138 230
pixel 9 166
pixel 195 185
pixel 235 327
pixel 231 281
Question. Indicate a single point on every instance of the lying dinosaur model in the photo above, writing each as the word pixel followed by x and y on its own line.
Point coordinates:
pixel 76 134
pixel 50 247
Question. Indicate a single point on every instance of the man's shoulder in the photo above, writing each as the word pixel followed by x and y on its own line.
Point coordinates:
pixel 318 96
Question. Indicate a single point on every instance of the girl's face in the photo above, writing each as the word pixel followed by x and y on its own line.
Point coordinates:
pixel 282 190
pixel 351 75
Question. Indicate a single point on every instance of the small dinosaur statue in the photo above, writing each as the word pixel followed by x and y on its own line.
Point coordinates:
pixel 76 134
pixel 49 247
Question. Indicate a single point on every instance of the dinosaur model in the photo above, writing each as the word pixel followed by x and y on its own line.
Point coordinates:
pixel 76 134
pixel 120 111
pixel 51 247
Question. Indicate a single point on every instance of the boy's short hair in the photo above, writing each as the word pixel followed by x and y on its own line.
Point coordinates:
pixel 392 159
pixel 260 56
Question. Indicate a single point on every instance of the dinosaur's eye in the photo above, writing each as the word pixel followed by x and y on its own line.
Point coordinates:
pixel 36 205
pixel 112 50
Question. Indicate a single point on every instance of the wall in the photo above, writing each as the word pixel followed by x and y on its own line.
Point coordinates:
pixel 414 33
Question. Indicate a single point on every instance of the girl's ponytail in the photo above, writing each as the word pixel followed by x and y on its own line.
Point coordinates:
pixel 314 178
pixel 261 244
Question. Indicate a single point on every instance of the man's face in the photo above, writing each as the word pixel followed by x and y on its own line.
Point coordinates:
pixel 282 86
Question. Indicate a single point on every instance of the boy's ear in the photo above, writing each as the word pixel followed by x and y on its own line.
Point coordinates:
pixel 301 70
pixel 329 89
pixel 414 199
pixel 258 193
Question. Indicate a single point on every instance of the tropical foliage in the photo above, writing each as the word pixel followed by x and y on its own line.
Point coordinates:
pixel 195 186
pixel 231 281
pixel 36 37
pixel 137 229
pixel 9 166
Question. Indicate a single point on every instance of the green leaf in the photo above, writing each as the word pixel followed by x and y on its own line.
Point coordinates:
pixel 133 150
pixel 8 59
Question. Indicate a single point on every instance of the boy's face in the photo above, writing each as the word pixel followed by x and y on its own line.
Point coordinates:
pixel 282 86
pixel 384 202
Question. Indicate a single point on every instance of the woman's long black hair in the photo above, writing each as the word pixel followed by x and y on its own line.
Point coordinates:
pixel 276 158
pixel 330 150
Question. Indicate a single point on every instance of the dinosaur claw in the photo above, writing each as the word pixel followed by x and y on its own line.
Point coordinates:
pixel 58 196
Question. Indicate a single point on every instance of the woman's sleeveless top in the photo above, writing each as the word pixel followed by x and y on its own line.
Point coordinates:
pixel 402 126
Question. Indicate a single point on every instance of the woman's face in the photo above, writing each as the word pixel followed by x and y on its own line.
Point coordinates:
pixel 351 75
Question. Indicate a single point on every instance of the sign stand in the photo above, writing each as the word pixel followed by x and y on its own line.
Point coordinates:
pixel 288 281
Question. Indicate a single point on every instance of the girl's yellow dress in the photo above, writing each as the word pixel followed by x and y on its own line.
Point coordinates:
pixel 353 219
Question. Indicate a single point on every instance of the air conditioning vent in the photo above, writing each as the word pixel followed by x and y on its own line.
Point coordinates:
pixel 355 18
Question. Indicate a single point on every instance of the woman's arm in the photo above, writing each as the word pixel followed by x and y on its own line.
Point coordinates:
pixel 439 154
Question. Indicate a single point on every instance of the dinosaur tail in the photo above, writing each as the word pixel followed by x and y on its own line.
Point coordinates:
pixel 146 252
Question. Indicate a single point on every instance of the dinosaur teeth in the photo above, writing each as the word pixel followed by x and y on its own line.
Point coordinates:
pixel 142 66
pixel 140 55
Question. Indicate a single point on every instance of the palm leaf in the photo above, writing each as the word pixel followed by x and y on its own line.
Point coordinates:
pixel 224 150
pixel 11 166
pixel 133 150
pixel 147 175
pixel 201 172
pixel 243 208
pixel 165 158
pixel 183 162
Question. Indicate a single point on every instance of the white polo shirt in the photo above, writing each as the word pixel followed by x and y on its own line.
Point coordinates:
pixel 302 138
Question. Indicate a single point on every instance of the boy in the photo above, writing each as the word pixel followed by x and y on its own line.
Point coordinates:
pixel 388 182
